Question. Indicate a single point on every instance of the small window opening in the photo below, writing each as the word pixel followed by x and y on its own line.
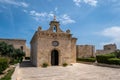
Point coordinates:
pixel 21 48
pixel 54 29
pixel 108 48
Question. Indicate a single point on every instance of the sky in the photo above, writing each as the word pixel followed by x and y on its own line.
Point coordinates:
pixel 93 22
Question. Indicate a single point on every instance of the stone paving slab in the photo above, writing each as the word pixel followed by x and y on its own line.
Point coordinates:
pixel 76 72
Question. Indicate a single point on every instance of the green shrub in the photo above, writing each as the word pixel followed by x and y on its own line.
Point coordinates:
pixel 117 53
pixel 3 64
pixel 104 58
pixel 87 59
pixel 65 64
pixel 20 59
pixel 115 61
pixel 44 65
pixel 14 61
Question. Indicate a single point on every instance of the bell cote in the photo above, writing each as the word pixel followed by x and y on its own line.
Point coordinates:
pixel 54 26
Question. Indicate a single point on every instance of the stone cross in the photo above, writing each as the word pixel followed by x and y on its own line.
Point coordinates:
pixel 54 18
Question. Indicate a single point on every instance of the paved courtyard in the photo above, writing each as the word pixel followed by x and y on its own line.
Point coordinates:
pixel 77 71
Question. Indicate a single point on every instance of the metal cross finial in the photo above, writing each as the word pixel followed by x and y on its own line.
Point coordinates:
pixel 54 18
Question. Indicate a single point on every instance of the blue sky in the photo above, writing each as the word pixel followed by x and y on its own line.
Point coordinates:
pixel 94 22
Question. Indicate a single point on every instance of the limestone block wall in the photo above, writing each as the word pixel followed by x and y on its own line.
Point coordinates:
pixel 84 51
pixel 109 48
pixel 15 75
pixel 42 50
pixel 27 52
pixel 17 43
pixel 112 47
pixel 33 53
pixel 99 52
pixel 45 48
pixel 73 48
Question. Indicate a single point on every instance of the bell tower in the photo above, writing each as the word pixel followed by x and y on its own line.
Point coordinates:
pixel 54 26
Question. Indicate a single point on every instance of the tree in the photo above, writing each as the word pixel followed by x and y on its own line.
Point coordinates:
pixel 19 53
pixel 117 53
pixel 9 51
pixel 3 48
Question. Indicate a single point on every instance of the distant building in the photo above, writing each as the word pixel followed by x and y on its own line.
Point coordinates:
pixel 109 48
pixel 18 44
pixel 85 51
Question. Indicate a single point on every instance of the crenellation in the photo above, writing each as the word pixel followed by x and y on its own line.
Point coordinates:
pixel 108 48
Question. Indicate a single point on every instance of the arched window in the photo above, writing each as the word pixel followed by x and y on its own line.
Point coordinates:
pixel 54 29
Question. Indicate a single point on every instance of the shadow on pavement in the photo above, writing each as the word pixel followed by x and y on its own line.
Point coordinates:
pixel 26 63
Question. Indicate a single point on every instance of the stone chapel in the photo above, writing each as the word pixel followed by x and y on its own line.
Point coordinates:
pixel 53 46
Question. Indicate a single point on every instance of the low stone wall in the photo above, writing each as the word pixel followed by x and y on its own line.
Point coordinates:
pixel 15 74
pixel 107 65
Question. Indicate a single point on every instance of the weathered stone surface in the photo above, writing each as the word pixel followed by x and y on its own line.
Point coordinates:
pixel 42 44
pixel 107 49
pixel 84 51
pixel 76 72
pixel 18 44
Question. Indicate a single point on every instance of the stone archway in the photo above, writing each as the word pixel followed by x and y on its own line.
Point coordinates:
pixel 54 58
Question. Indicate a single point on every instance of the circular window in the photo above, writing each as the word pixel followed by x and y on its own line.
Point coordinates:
pixel 55 43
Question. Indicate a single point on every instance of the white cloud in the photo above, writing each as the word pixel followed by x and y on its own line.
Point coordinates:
pixel 43 16
pixel 113 33
pixel 51 14
pixel 90 2
pixel 77 2
pixel 37 14
pixel 65 19
pixel 13 2
pixel 23 4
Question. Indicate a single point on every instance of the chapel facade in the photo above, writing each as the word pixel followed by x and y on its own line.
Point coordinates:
pixel 53 46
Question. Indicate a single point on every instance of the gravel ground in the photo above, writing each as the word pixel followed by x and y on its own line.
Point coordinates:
pixel 77 71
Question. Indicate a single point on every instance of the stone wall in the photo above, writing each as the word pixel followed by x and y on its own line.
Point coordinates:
pixel 99 52
pixel 85 51
pixel 17 43
pixel 73 48
pixel 42 50
pixel 27 52
pixel 42 45
pixel 109 48
pixel 112 47
pixel 33 52
pixel 16 72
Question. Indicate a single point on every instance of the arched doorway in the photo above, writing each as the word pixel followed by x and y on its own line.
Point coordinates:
pixel 54 57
